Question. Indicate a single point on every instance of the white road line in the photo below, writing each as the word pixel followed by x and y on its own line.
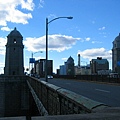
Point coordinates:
pixel 102 90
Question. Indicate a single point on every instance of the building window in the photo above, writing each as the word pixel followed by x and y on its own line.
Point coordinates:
pixel 14 41
pixel 13 72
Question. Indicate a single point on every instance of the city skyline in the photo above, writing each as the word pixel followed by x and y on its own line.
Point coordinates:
pixel 90 33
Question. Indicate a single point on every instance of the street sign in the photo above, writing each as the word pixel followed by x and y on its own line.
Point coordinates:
pixel 118 63
pixel 32 60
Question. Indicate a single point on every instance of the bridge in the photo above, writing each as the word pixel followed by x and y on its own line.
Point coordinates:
pixel 36 99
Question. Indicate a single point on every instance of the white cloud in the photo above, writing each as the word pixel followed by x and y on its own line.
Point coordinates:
pixel 87 39
pixel 10 13
pixel 96 42
pixel 2 45
pixel 95 52
pixel 3 23
pixel 5 29
pixel 16 16
pixel 1 65
pixel 52 16
pixel 102 28
pixel 41 3
pixel 55 42
pixel 29 5
pixel 64 59
pixel 1 68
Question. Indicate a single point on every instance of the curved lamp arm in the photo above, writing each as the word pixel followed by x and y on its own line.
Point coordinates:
pixel 59 18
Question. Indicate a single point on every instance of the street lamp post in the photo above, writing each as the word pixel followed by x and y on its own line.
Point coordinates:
pixel 46 61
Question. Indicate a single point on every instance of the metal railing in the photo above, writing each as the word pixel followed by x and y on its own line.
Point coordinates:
pixel 55 100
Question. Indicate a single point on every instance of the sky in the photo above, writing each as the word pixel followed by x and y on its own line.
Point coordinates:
pixel 95 25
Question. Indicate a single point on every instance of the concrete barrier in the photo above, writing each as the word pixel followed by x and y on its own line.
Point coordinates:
pixel 59 101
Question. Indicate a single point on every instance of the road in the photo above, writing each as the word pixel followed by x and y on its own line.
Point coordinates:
pixel 105 93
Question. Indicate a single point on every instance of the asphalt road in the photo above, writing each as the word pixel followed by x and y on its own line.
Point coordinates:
pixel 105 93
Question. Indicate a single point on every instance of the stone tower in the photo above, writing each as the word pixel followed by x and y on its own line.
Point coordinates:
pixel 116 55
pixel 14 54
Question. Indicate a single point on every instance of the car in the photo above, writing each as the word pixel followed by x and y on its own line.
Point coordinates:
pixel 50 77
pixel 113 75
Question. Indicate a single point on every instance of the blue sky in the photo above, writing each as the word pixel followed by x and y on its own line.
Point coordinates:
pixel 94 26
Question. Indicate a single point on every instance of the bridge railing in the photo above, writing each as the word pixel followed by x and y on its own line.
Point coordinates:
pixel 58 101
pixel 99 78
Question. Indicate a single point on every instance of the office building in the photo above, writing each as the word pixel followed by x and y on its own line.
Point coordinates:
pixel 116 55
pixel 40 67
pixel 98 64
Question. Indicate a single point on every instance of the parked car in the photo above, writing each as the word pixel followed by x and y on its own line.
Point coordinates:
pixel 114 75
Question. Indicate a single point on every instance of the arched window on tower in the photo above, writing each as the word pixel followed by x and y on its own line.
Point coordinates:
pixel 14 41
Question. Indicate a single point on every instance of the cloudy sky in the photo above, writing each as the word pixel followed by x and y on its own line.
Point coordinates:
pixel 90 33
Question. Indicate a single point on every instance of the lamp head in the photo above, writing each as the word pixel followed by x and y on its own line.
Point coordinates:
pixel 70 17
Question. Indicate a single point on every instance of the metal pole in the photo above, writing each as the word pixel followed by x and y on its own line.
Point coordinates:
pixel 32 63
pixel 46 61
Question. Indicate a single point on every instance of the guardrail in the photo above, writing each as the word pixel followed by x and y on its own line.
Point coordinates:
pixel 99 78
pixel 54 100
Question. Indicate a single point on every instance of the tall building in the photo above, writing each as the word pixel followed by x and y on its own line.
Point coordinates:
pixel 14 64
pixel 50 67
pixel 98 64
pixel 70 66
pixel 40 67
pixel 116 55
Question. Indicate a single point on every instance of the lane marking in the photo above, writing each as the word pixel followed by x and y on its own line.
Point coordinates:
pixel 102 90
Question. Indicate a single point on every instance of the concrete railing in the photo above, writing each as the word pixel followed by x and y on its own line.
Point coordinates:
pixel 54 100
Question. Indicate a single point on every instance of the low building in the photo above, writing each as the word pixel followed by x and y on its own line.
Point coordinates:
pixel 98 64
pixel 77 70
pixel 83 70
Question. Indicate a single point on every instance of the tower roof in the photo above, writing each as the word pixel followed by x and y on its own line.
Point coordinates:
pixel 15 32
pixel 70 60
pixel 117 38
